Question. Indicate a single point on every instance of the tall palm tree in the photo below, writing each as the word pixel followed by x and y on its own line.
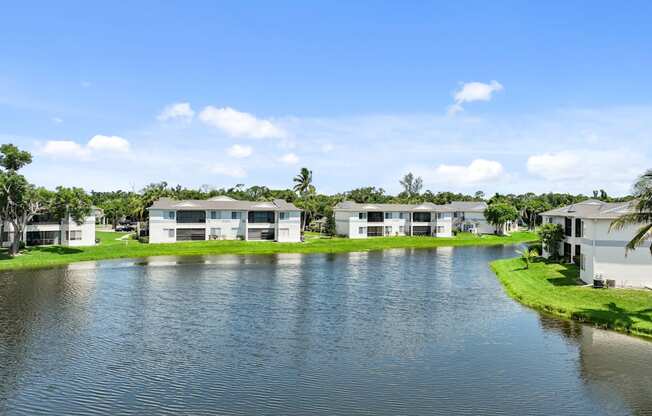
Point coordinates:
pixel 303 182
pixel 303 186
pixel 642 213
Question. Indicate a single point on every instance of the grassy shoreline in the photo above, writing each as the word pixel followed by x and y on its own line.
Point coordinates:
pixel 111 247
pixel 553 288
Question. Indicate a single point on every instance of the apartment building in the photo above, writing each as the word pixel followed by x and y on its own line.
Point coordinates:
pixel 223 218
pixel 597 250
pixel 43 229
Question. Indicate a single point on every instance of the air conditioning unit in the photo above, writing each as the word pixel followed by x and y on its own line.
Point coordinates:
pixel 598 281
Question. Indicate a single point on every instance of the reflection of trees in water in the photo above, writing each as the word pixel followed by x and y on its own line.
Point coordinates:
pixel 38 309
pixel 615 367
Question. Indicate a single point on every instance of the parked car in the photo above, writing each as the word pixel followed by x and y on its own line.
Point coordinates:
pixel 125 227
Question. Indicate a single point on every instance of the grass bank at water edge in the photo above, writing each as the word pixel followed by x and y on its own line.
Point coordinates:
pixel 116 245
pixel 554 288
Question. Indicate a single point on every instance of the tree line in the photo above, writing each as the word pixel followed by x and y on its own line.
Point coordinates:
pixel 21 201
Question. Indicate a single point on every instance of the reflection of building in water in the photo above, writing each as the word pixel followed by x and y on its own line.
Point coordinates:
pixel 615 367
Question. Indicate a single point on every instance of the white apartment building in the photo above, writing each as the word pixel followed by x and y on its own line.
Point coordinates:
pixel 598 251
pixel 44 230
pixel 355 220
pixel 223 218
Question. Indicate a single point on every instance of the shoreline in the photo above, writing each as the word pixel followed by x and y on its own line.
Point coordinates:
pixel 551 288
pixel 110 248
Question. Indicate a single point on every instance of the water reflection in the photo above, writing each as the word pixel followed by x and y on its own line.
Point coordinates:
pixel 397 331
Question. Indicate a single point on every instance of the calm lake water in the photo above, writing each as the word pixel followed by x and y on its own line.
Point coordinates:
pixel 409 332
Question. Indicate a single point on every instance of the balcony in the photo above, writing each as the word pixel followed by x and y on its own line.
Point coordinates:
pixel 261 217
pixel 191 217
pixel 375 217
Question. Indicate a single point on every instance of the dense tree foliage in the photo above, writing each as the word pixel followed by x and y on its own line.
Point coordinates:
pixel 499 213
pixel 551 235
pixel 641 214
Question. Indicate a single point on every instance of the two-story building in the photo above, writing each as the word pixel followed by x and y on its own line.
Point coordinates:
pixel 223 218
pixel 598 250
pixel 43 229
pixel 355 220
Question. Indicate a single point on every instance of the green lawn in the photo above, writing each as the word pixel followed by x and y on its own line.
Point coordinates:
pixel 111 248
pixel 554 288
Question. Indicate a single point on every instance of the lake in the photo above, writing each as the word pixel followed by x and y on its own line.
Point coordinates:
pixel 408 332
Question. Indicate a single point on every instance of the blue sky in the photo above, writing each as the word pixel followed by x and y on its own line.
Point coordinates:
pixel 492 96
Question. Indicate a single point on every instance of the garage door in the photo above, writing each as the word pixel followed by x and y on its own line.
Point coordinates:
pixel 260 234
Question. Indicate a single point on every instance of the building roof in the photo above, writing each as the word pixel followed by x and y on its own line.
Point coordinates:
pixel 223 203
pixel 426 206
pixel 592 208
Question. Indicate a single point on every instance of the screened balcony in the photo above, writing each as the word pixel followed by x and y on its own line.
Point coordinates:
pixel 191 217
pixel 421 217
pixel 375 217
pixel 261 217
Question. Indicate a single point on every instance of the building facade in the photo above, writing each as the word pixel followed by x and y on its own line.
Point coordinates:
pixel 597 250
pixel 44 230
pixel 223 218
pixel 355 220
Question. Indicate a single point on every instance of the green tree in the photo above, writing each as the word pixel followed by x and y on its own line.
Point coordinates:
pixel 528 256
pixel 19 200
pixel 73 203
pixel 641 214
pixel 531 209
pixel 303 186
pixel 411 186
pixel 551 235
pixel 498 214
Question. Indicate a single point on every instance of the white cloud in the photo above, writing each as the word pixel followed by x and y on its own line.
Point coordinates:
pixel 479 171
pixel 591 167
pixel 239 151
pixel 57 120
pixel 97 145
pixel 289 159
pixel 177 111
pixel 239 124
pixel 232 171
pixel 473 91
pixel 65 149
pixel 108 144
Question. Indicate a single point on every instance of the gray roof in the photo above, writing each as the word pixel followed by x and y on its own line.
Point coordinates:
pixel 592 208
pixel 223 203
pixel 426 206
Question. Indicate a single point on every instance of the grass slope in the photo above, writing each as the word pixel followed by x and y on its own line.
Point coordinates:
pixel 110 248
pixel 554 288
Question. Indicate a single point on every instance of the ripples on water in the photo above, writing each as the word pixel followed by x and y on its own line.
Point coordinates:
pixel 393 332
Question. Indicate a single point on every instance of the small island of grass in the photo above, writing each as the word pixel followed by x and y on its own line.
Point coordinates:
pixel 117 245
pixel 555 288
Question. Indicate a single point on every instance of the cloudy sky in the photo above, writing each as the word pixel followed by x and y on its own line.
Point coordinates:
pixel 507 97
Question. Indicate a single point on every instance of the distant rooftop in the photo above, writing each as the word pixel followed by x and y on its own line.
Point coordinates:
pixel 592 208
pixel 454 206
pixel 223 203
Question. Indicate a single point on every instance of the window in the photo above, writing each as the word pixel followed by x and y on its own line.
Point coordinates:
pixel 75 235
pixel 170 215
pixel 388 215
pixel 439 215
pixel 401 229
pixel 421 217
pixel 283 215
pixel 170 232
pixel 401 215
pixel 235 215
pixel 213 215
pixel 362 215
pixel 578 227
pixel 261 217
pixel 549 220
pixel 568 227
pixel 362 230
pixel 191 217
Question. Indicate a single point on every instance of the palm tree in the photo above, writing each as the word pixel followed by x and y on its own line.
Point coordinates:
pixel 303 186
pixel 642 213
